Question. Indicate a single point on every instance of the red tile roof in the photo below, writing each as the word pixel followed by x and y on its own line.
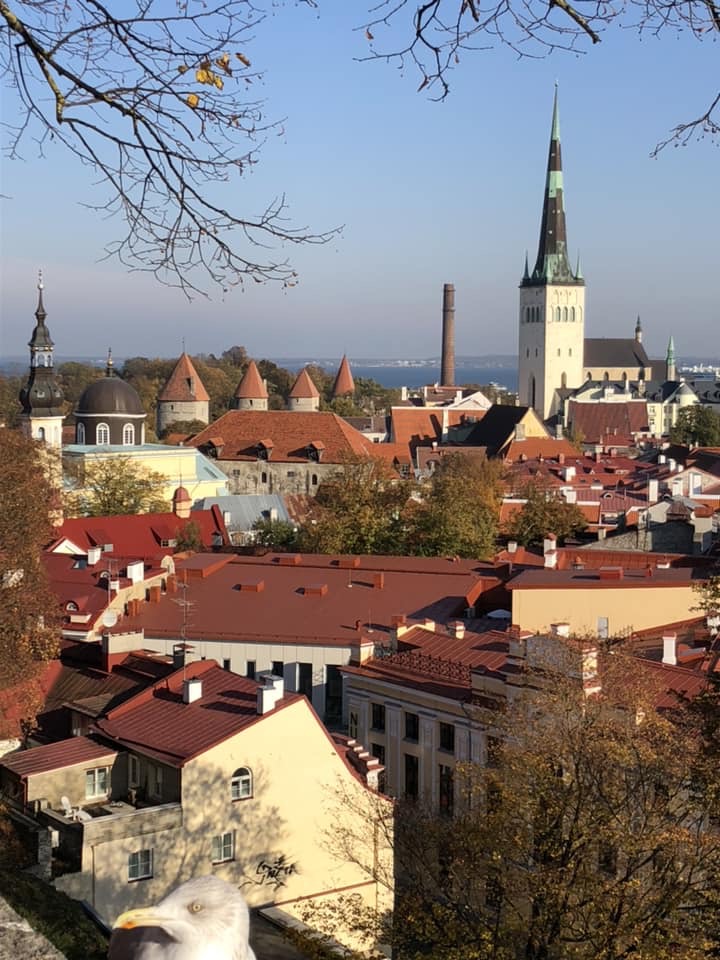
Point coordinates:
pixel 582 579
pixel 304 388
pixel 184 384
pixel 137 536
pixel 282 611
pixel 53 756
pixel 534 447
pixel 609 423
pixel 413 426
pixel 157 722
pixel 344 383
pixel 238 433
pixel 251 386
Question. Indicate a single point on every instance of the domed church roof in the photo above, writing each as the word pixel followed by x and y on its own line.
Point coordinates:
pixel 109 395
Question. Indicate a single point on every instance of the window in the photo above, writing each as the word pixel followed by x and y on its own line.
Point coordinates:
pixel 447 737
pixel 133 771
pixel 96 782
pixel 226 664
pixel 447 789
pixel 241 784
pixel 156 783
pixel 378 716
pixel 314 479
pixel 305 681
pixel 80 433
pixel 223 847
pixel 493 752
pixel 128 435
pixel 140 865
pixel 412 726
pixel 603 628
pixel 291 473
pixel 263 477
pixel 102 434
pixel 412 776
pixel 278 668
pixel 353 725
pixel 250 670
pixel 333 692
pixel 41 432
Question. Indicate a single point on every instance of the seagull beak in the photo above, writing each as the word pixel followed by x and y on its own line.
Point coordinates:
pixel 145 917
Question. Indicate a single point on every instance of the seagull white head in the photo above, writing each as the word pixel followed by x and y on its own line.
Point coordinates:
pixel 203 919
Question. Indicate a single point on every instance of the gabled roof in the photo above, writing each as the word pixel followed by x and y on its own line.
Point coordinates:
pixel 291 433
pixel 344 383
pixel 54 756
pixel 304 388
pixel 251 386
pixel 614 352
pixel 157 722
pixel 420 426
pixel 497 428
pixel 184 384
pixel 138 536
pixel 609 423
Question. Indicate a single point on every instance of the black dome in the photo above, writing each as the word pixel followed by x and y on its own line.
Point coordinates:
pixel 110 395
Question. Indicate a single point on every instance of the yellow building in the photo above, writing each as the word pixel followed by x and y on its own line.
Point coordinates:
pixel 205 772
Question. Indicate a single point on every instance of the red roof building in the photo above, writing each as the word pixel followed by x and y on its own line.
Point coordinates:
pixel 184 397
pixel 304 396
pixel 251 393
pixel 344 385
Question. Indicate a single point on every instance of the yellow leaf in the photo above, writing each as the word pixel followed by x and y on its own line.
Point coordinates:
pixel 243 59
pixel 193 100
pixel 203 76
pixel 183 68
pixel 218 81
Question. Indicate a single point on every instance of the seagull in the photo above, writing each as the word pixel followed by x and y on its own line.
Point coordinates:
pixel 203 919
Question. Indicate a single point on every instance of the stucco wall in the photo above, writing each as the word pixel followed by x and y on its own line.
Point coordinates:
pixel 261 476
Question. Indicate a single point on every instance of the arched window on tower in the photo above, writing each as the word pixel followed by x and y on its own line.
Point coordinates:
pixel 565 314
pixel 572 314
pixel 80 433
pixel 563 380
pixel 531 391
pixel 580 314
pixel 102 434
pixel 128 435
pixel 606 377
pixel 557 314
pixel 624 376
pixel 41 433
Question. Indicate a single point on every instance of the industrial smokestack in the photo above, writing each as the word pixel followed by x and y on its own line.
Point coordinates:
pixel 447 367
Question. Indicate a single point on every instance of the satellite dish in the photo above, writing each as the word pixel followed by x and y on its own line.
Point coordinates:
pixel 109 618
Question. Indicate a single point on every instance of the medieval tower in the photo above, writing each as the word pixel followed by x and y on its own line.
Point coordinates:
pixel 42 397
pixel 552 301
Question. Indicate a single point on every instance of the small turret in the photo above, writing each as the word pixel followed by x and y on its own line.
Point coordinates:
pixel 304 396
pixel 344 385
pixel 251 393
pixel 670 368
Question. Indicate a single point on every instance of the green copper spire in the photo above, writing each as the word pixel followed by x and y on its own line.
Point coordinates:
pixel 670 367
pixel 670 358
pixel 552 264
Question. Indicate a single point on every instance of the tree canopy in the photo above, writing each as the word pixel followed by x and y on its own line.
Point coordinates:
pixel 544 511
pixel 697 426
pixel 117 485
pixel 29 614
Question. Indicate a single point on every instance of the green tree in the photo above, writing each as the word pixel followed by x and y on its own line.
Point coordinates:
pixel 360 509
pixel 189 537
pixel 118 485
pixel 29 613
pixel 275 534
pixel 544 511
pixel 460 511
pixel 10 387
pixel 697 426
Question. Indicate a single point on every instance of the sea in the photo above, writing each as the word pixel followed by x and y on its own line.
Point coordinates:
pixel 408 374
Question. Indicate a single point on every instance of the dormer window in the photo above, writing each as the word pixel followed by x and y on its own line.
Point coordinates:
pixel 264 449
pixel 71 606
pixel 315 450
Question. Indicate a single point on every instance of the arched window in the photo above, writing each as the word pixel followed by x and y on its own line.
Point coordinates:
pixel 565 314
pixel 559 351
pixel 572 314
pixel 314 479
pixel 532 391
pixel 569 351
pixel 536 351
pixel 102 434
pixel 241 785
pixel 557 314
pixel 606 377
pixel 624 376
pixel 128 435
pixel 563 380
pixel 580 314
pixel 80 433
pixel 527 352
pixel 41 433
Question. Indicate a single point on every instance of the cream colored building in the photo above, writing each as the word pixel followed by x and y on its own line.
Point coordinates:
pixel 207 774
pixel 181 466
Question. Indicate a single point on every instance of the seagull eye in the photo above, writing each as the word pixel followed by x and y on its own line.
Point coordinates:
pixel 195 907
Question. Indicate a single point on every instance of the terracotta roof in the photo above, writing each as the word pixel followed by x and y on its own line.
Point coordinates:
pixel 251 386
pixel 304 387
pixel 184 384
pixel 157 722
pixel 582 579
pixel 238 433
pixel 536 447
pixel 289 608
pixel 609 422
pixel 53 756
pixel 414 426
pixel 137 536
pixel 344 383
pixel 496 428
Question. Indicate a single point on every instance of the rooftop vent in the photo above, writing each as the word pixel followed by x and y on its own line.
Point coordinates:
pixel 251 586
pixel 611 573
pixel 191 690
pixel 315 590
pixel 270 691
pixel 290 560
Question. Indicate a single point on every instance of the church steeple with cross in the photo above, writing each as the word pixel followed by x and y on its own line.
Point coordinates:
pixel 42 397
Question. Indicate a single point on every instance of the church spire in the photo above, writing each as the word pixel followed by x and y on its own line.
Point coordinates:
pixel 670 367
pixel 552 264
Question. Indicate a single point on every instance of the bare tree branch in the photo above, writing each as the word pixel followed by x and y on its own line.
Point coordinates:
pixel 157 104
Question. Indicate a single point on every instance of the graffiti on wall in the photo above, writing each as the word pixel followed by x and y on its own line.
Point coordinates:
pixel 272 872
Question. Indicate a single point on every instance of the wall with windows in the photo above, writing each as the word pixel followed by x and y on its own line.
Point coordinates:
pixel 262 476
pixel 81 783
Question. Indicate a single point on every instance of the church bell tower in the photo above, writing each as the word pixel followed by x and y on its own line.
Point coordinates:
pixel 41 397
pixel 552 301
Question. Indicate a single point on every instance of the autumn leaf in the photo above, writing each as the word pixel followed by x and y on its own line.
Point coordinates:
pixel 192 100
pixel 203 76
pixel 218 81
pixel 183 68
pixel 243 59
pixel 369 35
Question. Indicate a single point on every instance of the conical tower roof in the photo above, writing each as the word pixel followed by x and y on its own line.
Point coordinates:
pixel 552 264
pixel 251 386
pixel 344 383
pixel 184 385
pixel 304 388
pixel 40 339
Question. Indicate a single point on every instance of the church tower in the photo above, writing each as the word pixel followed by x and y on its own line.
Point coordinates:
pixel 41 397
pixel 552 301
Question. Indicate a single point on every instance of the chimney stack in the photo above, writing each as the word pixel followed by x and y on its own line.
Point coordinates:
pixel 447 365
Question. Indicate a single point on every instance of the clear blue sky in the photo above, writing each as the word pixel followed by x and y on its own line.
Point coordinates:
pixel 428 193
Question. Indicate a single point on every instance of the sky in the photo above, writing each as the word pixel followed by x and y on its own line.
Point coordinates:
pixel 426 193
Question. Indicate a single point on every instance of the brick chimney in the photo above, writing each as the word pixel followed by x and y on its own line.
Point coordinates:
pixel 447 365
